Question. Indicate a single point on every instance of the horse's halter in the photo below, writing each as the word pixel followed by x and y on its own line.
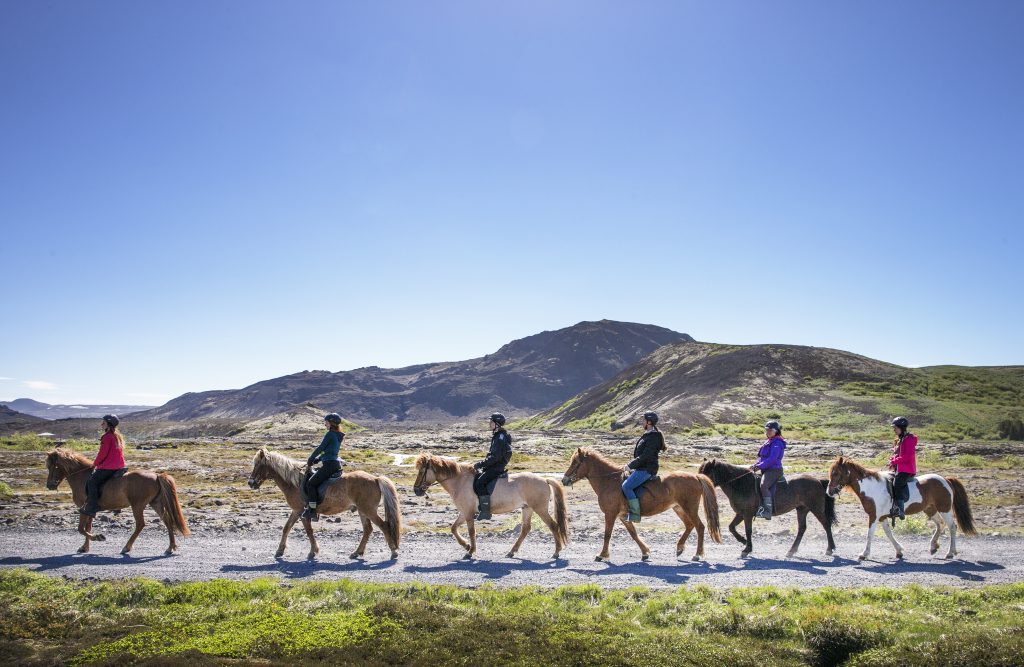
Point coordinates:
pixel 839 486
pixel 254 480
pixel 571 475
pixel 63 474
pixel 421 484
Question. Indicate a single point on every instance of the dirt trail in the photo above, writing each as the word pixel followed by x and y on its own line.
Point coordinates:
pixel 434 558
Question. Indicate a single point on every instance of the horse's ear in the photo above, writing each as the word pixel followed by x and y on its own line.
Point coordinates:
pixel 840 459
pixel 705 460
pixel 579 450
pixel 262 453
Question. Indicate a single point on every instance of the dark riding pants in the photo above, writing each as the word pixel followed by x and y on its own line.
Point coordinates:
pixel 94 486
pixel 482 479
pixel 327 468
pixel 900 487
pixel 769 478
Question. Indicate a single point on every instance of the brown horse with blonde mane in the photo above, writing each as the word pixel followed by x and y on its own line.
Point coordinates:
pixel 523 490
pixel 135 489
pixel 680 491
pixel 356 490
pixel 940 498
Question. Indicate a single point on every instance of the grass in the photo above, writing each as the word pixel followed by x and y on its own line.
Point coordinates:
pixel 27 442
pixel 52 620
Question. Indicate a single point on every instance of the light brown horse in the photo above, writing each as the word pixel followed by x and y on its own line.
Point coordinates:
pixel 680 491
pixel 134 489
pixel 356 490
pixel 523 490
pixel 940 498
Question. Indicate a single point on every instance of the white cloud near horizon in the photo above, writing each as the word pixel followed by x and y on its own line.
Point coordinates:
pixel 3 378
pixel 42 385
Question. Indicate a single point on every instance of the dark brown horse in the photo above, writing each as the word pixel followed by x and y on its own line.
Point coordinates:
pixel 681 492
pixel 802 493
pixel 134 489
pixel 357 490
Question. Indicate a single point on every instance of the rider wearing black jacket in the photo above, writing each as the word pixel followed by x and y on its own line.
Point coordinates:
pixel 498 457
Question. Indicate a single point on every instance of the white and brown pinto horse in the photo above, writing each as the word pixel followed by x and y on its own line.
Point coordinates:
pixel 940 498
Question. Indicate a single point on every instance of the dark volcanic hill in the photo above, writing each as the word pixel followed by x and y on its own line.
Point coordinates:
pixel 820 392
pixel 524 376
pixel 12 421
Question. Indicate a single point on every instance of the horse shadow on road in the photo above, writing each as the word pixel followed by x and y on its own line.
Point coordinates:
pixel 491 569
pixel 307 568
pixel 45 563
pixel 683 571
pixel 961 569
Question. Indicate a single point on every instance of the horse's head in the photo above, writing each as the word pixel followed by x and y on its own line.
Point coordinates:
pixel 260 469
pixel 55 472
pixel 708 468
pixel 839 476
pixel 425 474
pixel 579 467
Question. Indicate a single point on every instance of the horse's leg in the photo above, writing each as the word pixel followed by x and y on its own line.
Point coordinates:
pixel 609 524
pixel 748 528
pixel 367 530
pixel 872 524
pixel 688 527
pixel 645 551
pixel 732 529
pixel 937 520
pixel 524 530
pixel 379 522
pixel 471 528
pixel 83 529
pixel 948 518
pixel 545 516
pixel 801 523
pixel 292 518
pixel 887 527
pixel 314 548
pixel 455 531
pixel 140 521
pixel 819 514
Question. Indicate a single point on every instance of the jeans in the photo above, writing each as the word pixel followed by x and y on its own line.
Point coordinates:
pixel 635 479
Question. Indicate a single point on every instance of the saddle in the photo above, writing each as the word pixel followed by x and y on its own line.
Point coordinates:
pixel 890 484
pixel 494 482
pixel 779 486
pixel 99 495
pixel 642 489
pixel 321 490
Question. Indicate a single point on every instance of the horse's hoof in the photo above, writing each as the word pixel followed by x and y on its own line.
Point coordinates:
pixel 862 557
pixel 510 554
pixel 83 550
pixel 828 552
pixel 598 559
pixel 645 557
pixel 100 538
pixel 696 558
pixel 933 550
pixel 947 556
pixel 394 555
pixel 468 556
pixel 555 557
pixel 311 556
pixel 790 554
pixel 125 552
pixel 279 554
pixel 169 552
pixel 354 555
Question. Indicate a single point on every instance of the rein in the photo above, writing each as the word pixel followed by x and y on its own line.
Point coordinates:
pixel 749 472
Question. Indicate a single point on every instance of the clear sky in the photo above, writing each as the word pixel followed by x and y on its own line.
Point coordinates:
pixel 201 195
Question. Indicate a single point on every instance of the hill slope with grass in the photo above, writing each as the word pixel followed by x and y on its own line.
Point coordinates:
pixel 816 392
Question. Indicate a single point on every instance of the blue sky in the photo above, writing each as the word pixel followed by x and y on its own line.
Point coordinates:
pixel 202 195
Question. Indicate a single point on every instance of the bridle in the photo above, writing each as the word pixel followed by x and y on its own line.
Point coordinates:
pixel 421 484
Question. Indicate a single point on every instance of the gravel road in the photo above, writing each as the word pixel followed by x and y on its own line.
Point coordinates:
pixel 436 559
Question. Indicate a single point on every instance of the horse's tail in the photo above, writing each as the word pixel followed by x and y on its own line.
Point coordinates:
pixel 962 507
pixel 710 507
pixel 830 506
pixel 561 515
pixel 392 512
pixel 169 505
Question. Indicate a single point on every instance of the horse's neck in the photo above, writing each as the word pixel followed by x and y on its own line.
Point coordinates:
pixel 282 482
pixel 77 480
pixel 604 476
pixel 452 484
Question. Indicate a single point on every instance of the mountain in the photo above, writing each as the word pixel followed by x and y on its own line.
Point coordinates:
pixel 816 392
pixel 46 411
pixel 524 376
pixel 12 421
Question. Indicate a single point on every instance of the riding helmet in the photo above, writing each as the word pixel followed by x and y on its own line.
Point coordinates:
pixel 651 417
pixel 901 422
pixel 775 425
pixel 498 418
pixel 333 418
pixel 112 420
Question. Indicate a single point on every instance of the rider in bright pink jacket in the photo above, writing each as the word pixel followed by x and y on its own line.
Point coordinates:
pixel 904 454
pixel 904 463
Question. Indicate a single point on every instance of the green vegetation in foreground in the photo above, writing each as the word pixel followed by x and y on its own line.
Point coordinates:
pixel 54 620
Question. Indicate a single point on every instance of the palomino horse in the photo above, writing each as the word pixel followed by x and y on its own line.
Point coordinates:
pixel 136 489
pixel 680 491
pixel 521 490
pixel 356 490
pixel 802 493
pixel 940 498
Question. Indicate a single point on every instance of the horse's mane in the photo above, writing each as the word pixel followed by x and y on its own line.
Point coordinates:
pixel 290 469
pixel 444 468
pixel 590 452
pixel 71 456
pixel 857 471
pixel 737 474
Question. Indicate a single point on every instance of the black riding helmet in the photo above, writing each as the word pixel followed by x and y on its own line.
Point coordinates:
pixel 112 420
pixel 333 418
pixel 651 417
pixel 498 418
pixel 775 425
pixel 901 422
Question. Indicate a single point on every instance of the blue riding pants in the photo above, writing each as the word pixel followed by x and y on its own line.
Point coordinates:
pixel 635 479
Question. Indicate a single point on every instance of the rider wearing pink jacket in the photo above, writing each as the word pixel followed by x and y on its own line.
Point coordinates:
pixel 904 463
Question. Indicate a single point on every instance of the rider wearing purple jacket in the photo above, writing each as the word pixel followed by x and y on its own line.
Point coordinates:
pixel 769 463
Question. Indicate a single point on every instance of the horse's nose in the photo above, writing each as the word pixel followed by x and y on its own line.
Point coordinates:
pixel 253 484
pixel 418 491
pixel 51 486
pixel 566 481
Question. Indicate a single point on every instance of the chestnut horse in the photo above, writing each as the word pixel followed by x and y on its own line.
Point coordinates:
pixel 940 498
pixel 802 493
pixel 523 490
pixel 680 491
pixel 134 489
pixel 356 490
